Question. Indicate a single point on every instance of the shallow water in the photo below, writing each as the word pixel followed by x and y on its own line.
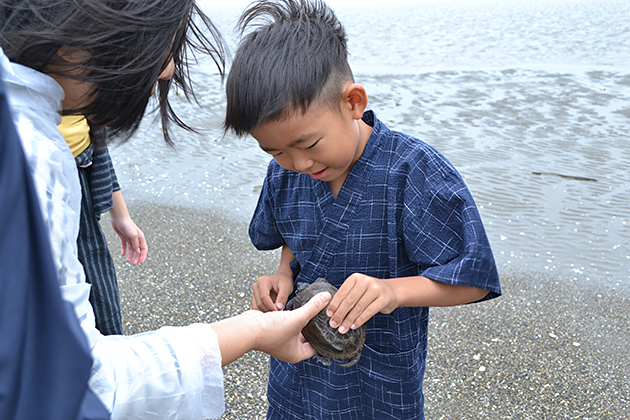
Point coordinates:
pixel 531 102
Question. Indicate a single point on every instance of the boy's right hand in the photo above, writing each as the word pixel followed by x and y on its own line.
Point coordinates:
pixel 270 293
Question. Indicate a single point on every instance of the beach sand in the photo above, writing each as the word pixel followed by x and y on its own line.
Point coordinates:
pixel 549 348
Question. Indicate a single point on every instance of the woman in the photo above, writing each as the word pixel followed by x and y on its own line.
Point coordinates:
pixel 103 60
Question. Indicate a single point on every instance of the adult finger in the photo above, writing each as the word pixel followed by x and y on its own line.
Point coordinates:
pixel 311 308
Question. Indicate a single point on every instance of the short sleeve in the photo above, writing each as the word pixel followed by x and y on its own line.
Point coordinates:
pixel 263 229
pixel 443 231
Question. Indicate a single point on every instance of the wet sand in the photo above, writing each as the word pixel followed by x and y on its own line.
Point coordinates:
pixel 552 347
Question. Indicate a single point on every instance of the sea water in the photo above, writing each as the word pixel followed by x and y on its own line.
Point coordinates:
pixel 529 100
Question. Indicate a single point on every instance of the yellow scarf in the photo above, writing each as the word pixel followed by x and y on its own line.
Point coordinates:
pixel 76 130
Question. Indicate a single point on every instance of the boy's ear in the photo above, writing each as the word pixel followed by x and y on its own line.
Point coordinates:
pixel 355 97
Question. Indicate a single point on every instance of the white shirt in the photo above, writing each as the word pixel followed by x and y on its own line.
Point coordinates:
pixel 172 373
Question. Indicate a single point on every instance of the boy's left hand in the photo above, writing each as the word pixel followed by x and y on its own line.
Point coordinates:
pixel 358 299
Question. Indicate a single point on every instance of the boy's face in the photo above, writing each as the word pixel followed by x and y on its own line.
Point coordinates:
pixel 323 143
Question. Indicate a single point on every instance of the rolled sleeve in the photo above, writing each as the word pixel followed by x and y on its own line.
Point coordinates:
pixel 172 373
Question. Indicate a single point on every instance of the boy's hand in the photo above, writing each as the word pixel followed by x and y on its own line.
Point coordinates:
pixel 270 293
pixel 358 299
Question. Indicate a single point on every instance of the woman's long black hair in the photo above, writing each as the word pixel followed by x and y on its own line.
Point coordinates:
pixel 128 43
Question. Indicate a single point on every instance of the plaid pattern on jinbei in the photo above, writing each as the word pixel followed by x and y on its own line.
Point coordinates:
pixel 402 211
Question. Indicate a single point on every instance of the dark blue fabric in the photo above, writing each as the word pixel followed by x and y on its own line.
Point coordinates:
pixel 402 211
pixel 98 181
pixel 100 178
pixel 45 361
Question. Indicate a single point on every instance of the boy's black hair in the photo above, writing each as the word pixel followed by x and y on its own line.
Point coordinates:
pixel 129 43
pixel 295 56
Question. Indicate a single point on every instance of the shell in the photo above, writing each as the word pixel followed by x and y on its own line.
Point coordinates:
pixel 344 349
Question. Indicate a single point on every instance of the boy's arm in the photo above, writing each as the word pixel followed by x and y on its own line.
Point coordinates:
pixel 422 291
pixel 270 293
pixel 361 297
pixel 284 268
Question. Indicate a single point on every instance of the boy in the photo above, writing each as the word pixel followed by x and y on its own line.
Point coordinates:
pixel 379 214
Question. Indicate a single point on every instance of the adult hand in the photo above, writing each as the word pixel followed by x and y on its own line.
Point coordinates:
pixel 277 333
pixel 280 332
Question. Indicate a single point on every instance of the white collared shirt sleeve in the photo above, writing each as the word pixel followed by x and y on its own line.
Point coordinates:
pixel 172 373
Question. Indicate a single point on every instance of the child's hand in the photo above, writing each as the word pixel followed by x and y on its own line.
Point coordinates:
pixel 358 299
pixel 272 292
pixel 132 239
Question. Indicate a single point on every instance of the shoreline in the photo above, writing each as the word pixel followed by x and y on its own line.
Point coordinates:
pixel 548 348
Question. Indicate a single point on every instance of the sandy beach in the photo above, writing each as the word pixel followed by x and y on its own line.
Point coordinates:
pixel 550 348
